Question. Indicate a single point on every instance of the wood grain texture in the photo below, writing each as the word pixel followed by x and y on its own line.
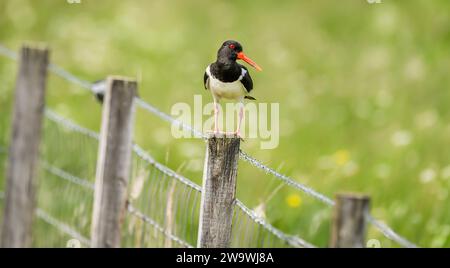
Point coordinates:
pixel 218 192
pixel 114 163
pixel 21 175
pixel 349 222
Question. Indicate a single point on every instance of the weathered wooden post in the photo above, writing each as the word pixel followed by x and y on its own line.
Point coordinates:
pixel 114 162
pixel 21 175
pixel 349 221
pixel 218 191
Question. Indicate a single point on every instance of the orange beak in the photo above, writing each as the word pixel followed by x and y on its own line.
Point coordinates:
pixel 243 57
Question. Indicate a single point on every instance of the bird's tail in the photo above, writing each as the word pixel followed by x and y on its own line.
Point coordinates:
pixel 249 97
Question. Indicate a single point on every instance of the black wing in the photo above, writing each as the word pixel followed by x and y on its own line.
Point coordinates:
pixel 206 80
pixel 247 80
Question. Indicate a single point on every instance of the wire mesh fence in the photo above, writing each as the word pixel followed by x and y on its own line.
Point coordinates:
pixel 65 189
pixel 250 230
pixel 162 209
pixel 163 206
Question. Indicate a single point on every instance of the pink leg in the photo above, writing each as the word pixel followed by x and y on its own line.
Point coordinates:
pixel 216 117
pixel 241 116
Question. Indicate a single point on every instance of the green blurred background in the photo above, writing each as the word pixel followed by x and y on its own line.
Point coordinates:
pixel 363 92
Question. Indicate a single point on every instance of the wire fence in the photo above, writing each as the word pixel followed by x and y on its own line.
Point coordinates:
pixel 169 219
pixel 66 184
pixel 163 206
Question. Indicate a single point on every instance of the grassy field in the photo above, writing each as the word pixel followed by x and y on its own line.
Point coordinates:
pixel 363 92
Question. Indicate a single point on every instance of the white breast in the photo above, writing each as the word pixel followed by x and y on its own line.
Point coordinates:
pixel 232 90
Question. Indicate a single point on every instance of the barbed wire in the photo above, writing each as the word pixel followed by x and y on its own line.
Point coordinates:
pixel 152 109
pixel 385 230
pixel 87 184
pixel 69 77
pixel 160 229
pixel 51 115
pixel 8 53
pixel 67 176
pixel 289 181
pixel 144 155
pixel 291 240
pixel 61 226
pixel 389 233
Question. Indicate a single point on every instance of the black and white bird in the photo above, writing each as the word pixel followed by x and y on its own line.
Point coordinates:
pixel 99 89
pixel 227 79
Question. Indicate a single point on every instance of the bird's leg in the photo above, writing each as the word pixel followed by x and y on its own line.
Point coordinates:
pixel 241 116
pixel 216 116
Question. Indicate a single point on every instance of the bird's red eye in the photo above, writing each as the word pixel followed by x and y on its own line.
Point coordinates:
pixel 232 46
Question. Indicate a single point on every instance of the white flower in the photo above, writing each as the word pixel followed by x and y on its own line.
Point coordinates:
pixel 427 175
pixel 426 119
pixel 414 69
pixel 401 138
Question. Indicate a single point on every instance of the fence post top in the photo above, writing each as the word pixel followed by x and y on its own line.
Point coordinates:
pixel 352 196
pixel 31 45
pixel 222 136
pixel 119 78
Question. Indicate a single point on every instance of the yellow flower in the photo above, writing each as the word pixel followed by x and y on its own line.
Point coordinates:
pixel 294 200
pixel 341 157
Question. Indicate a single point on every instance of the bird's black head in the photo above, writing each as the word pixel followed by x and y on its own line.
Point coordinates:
pixel 231 51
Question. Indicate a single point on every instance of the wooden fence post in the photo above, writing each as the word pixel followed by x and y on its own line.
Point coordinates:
pixel 349 221
pixel 21 175
pixel 114 162
pixel 218 192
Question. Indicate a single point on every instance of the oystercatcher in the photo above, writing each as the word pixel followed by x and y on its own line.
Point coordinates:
pixel 228 79
pixel 99 89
